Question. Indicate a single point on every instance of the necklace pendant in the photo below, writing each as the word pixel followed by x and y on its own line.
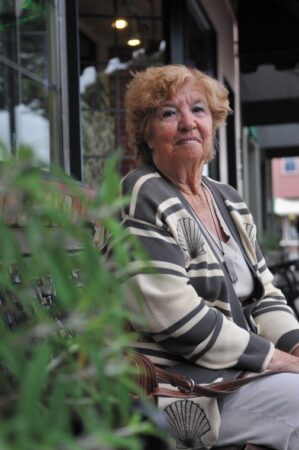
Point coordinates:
pixel 229 266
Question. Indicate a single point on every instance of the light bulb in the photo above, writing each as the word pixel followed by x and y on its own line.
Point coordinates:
pixel 134 41
pixel 120 23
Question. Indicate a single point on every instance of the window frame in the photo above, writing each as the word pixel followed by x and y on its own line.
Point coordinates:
pixel 57 112
pixel 285 161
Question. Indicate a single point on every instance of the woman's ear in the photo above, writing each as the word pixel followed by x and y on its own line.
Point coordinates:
pixel 148 143
pixel 147 136
pixel 146 146
pixel 145 152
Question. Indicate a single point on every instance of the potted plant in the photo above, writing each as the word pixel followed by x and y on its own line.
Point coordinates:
pixel 65 380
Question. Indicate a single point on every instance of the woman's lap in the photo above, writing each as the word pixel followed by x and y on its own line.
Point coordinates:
pixel 265 412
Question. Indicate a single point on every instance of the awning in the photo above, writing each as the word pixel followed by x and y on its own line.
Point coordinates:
pixel 286 206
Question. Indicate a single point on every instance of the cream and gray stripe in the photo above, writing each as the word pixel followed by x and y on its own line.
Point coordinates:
pixel 190 309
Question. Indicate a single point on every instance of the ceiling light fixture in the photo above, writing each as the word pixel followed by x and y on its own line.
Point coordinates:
pixel 134 41
pixel 120 23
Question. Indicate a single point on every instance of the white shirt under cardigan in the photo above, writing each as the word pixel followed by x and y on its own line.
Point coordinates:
pixel 244 284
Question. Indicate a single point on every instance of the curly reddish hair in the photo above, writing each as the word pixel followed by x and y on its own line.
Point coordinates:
pixel 150 88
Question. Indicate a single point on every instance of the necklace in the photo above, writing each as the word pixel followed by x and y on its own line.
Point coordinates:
pixel 227 262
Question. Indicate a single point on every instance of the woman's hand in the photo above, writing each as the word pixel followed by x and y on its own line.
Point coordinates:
pixel 284 362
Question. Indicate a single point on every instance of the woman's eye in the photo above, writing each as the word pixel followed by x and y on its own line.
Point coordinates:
pixel 167 113
pixel 198 109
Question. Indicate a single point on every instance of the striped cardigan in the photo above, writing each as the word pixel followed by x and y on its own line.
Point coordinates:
pixel 189 305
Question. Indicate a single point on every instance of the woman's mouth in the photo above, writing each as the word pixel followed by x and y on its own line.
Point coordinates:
pixel 189 140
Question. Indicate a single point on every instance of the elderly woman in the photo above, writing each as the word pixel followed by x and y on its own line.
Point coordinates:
pixel 209 304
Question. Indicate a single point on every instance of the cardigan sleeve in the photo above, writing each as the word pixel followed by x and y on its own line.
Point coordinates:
pixel 175 315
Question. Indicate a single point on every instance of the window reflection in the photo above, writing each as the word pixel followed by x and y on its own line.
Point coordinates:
pixel 33 118
pixel 8 30
pixel 24 34
pixel 9 97
pixel 24 114
pixel 34 35
pixel 29 91
pixel 106 62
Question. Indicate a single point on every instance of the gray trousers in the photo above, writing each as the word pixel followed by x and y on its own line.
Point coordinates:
pixel 265 412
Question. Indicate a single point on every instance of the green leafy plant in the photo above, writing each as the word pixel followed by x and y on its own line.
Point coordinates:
pixel 64 380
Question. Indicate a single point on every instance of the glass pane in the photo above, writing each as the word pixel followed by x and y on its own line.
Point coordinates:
pixel 34 36
pixel 29 110
pixel 98 132
pixel 95 88
pixel 33 118
pixel 143 8
pixel 24 113
pixel 8 30
pixel 102 41
pixel 96 7
pixel 27 34
pixel 106 62
pixel 125 8
pixel 200 44
pixel 92 170
pixel 114 53
pixel 98 141
pixel 9 98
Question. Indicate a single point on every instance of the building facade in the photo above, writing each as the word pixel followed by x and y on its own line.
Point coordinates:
pixel 285 181
pixel 64 65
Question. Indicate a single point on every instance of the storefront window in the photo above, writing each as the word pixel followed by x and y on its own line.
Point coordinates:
pixel 289 165
pixel 29 80
pixel 200 40
pixel 106 60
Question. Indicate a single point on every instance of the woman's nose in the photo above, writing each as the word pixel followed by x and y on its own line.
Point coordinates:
pixel 186 122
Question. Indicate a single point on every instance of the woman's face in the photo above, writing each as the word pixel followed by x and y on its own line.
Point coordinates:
pixel 181 131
